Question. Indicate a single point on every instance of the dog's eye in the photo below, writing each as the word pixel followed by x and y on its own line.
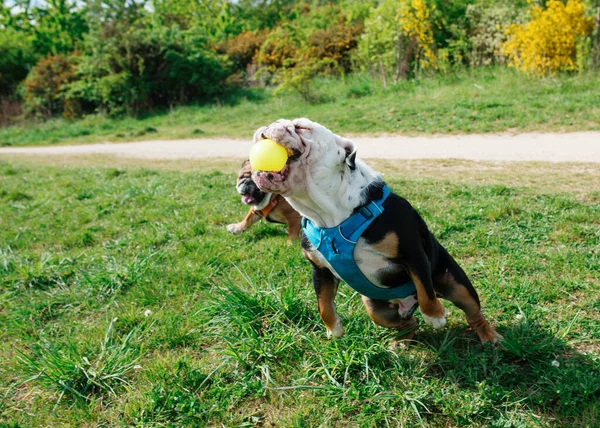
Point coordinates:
pixel 302 129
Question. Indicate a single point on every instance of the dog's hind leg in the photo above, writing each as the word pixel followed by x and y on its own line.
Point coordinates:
pixel 434 313
pixel 294 226
pixel 386 314
pixel 454 285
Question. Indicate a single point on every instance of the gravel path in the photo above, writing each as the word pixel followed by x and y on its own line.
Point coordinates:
pixel 553 147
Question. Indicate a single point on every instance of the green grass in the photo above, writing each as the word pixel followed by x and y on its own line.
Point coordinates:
pixel 480 100
pixel 124 301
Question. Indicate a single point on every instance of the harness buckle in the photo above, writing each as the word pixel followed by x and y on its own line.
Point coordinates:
pixel 366 213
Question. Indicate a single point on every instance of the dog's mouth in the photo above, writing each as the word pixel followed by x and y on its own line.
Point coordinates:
pixel 271 181
pixel 265 179
pixel 248 199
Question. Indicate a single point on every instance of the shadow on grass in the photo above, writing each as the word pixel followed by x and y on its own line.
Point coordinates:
pixel 265 232
pixel 531 367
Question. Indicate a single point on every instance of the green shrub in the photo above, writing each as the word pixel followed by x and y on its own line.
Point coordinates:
pixel 398 40
pixel 280 46
pixel 316 40
pixel 144 66
pixel 451 31
pixel 17 56
pixel 488 24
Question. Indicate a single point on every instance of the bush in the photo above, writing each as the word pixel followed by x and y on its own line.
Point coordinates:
pixel 318 41
pixel 300 79
pixel 17 57
pixel 489 23
pixel 450 31
pixel 45 87
pixel 548 42
pixel 335 44
pixel 243 49
pixel 398 39
pixel 144 66
pixel 280 46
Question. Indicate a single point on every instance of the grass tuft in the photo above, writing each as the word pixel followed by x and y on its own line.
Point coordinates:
pixel 81 374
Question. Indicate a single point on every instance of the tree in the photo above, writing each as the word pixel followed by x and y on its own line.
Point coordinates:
pixel 398 39
pixel 597 39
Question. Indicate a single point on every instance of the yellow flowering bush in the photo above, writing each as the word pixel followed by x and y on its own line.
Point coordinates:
pixel 548 42
pixel 415 21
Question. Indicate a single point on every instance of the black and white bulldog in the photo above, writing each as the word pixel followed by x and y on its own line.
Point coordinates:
pixel 325 182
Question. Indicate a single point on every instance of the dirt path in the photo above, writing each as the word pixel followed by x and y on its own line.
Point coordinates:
pixel 552 147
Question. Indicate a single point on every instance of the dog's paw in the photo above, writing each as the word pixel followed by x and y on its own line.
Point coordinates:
pixel 336 331
pixel 435 322
pixel 235 228
pixel 489 335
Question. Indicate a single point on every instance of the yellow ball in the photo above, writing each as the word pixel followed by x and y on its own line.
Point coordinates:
pixel 267 155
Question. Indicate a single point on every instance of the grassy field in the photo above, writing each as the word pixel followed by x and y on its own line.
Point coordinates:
pixel 480 100
pixel 124 301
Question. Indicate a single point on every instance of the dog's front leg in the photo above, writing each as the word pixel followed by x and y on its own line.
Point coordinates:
pixel 249 220
pixel 326 285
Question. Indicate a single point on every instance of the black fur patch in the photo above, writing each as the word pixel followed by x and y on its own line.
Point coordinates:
pixel 372 192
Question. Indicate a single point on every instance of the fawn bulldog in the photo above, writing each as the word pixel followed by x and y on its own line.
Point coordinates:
pixel 271 207
pixel 356 230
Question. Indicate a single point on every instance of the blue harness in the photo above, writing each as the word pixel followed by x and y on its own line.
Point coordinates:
pixel 336 244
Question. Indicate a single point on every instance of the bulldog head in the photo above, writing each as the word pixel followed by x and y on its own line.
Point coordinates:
pixel 316 152
pixel 322 178
pixel 251 194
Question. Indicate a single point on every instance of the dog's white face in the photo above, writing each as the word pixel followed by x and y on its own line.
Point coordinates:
pixel 322 179
pixel 316 151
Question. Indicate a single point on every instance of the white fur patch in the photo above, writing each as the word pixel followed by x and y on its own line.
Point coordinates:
pixel 370 261
pixel 235 228
pixel 337 331
pixel 264 202
pixel 435 322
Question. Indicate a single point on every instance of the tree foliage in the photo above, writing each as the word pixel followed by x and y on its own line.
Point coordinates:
pixel 144 66
pixel 398 39
pixel 17 56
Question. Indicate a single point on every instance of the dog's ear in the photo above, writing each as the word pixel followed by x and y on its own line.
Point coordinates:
pixel 351 160
pixel 345 144
pixel 350 150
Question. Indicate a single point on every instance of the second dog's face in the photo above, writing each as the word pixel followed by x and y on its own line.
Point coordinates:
pixel 251 194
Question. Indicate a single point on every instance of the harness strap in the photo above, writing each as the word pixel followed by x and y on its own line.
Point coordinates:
pixel 336 244
pixel 268 208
